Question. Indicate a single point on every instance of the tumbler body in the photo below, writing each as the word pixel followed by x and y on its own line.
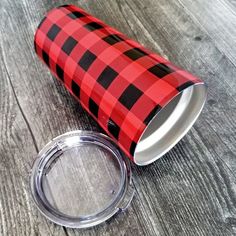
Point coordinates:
pixel 123 85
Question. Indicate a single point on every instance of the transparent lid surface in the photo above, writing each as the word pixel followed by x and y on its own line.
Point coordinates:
pixel 80 179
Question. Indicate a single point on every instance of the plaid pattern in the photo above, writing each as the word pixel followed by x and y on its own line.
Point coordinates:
pixel 119 82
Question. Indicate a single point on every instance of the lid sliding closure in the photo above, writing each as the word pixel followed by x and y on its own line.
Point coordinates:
pixel 80 179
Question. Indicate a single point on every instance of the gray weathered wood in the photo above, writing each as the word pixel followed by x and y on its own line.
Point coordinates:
pixel 190 191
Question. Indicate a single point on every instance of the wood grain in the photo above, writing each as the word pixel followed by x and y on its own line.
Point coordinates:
pixel 190 191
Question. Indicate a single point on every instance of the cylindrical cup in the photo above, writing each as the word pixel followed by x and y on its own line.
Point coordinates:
pixel 140 99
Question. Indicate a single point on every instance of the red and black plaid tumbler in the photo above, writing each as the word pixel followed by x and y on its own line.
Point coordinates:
pixel 140 99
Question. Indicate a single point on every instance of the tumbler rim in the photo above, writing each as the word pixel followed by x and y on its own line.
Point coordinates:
pixel 151 147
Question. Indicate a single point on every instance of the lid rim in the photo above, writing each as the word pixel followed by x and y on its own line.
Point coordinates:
pixel 46 155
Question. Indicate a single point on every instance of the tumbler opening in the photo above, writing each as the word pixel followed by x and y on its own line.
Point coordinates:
pixel 170 124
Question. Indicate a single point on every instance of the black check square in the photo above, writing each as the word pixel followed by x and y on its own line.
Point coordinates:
pixel 93 26
pixel 129 97
pixel 60 72
pixel 112 39
pixel 93 107
pixel 65 5
pixel 160 70
pixel 135 53
pixel 132 148
pixel 106 77
pixel 154 111
pixel 69 44
pixel 53 32
pixel 87 59
pixel 184 86
pixel 113 128
pixel 35 47
pixel 75 15
pixel 75 89
pixel 46 58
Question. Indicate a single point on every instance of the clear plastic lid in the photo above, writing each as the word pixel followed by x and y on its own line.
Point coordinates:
pixel 80 179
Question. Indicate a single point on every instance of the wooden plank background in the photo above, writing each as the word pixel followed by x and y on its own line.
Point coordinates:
pixel 192 189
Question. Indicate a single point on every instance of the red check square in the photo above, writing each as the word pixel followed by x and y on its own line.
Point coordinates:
pixel 132 71
pixel 157 94
pixel 55 15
